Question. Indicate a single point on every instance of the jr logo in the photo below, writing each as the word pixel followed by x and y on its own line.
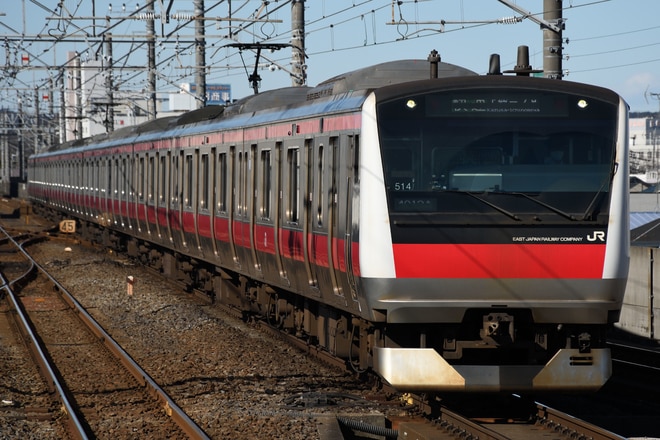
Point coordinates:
pixel 597 236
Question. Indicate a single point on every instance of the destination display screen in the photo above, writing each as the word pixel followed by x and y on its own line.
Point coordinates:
pixel 496 103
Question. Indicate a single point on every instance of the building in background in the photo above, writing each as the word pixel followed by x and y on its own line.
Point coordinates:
pixel 644 152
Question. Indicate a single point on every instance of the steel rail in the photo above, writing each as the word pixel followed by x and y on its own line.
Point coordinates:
pixel 76 428
pixel 570 426
pixel 187 425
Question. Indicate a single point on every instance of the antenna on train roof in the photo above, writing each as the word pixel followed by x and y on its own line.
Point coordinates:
pixel 434 59
pixel 523 68
pixel 494 64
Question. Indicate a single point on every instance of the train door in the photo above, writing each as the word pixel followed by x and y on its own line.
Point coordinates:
pixel 163 189
pixel 220 206
pixel 203 214
pixel 75 186
pixel 66 191
pixel 140 186
pixel 107 199
pixel 342 170
pixel 308 245
pixel 152 197
pixel 129 189
pixel 333 215
pixel 252 203
pixel 124 182
pixel 291 230
pixel 351 208
pixel 190 195
pixel 277 215
pixel 103 190
pixel 87 187
pixel 232 203
pixel 241 218
pixel 97 188
pixel 114 193
pixel 175 204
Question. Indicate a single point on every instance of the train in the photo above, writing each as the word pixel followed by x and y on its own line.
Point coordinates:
pixel 448 230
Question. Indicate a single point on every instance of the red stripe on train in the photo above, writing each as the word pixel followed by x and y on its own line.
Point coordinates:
pixel 499 260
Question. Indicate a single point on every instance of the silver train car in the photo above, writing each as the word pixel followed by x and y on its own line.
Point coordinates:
pixel 457 233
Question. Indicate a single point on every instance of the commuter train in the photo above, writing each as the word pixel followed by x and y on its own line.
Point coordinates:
pixel 451 231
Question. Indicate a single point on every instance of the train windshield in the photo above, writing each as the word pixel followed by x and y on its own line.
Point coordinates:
pixel 525 149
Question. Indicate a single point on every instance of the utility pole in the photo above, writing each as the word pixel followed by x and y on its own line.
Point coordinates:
pixel 110 105
pixel 552 39
pixel 77 87
pixel 63 113
pixel 37 119
pixel 151 61
pixel 200 55
pixel 19 132
pixel 298 66
pixel 4 159
pixel 51 112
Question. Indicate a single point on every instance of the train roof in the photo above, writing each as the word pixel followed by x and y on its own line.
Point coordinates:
pixel 341 92
pixel 385 74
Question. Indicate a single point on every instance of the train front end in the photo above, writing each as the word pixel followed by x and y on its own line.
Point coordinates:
pixel 494 239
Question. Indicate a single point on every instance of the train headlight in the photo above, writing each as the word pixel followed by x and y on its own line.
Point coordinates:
pixel 411 104
pixel 582 103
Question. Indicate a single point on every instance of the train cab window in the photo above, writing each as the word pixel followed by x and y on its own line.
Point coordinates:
pixel 293 198
pixel 204 184
pixel 525 149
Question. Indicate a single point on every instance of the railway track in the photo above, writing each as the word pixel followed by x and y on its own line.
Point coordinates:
pixel 102 392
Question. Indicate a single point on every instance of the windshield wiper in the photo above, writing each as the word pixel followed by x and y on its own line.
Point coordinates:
pixel 589 212
pixel 482 200
pixel 545 205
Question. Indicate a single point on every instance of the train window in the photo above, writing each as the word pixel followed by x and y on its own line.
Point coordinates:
pixel 319 186
pixel 204 175
pixel 266 184
pixel 221 186
pixel 293 200
pixel 188 182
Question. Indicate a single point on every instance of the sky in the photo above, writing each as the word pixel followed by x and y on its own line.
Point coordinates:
pixel 609 43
